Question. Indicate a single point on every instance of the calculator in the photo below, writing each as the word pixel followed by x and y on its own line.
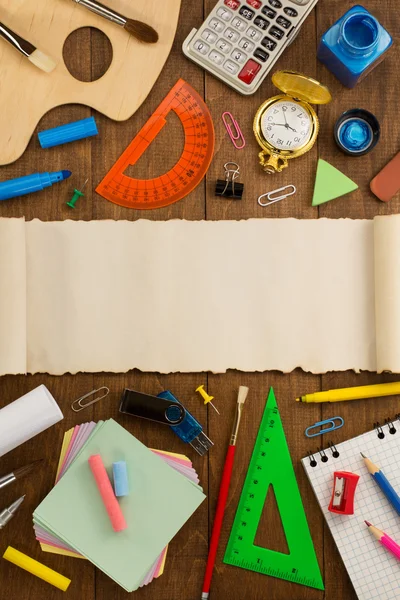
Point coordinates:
pixel 241 40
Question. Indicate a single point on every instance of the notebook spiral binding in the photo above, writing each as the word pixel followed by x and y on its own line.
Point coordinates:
pixel 388 428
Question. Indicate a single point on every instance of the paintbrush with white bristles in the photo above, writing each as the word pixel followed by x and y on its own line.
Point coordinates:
pixel 35 56
pixel 139 30
pixel 223 493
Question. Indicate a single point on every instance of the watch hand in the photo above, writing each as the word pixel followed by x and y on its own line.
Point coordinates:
pixel 284 116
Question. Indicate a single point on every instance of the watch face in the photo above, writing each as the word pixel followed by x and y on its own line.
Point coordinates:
pixel 286 125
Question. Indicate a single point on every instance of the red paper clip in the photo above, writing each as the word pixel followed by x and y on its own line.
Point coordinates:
pixel 235 134
pixel 344 488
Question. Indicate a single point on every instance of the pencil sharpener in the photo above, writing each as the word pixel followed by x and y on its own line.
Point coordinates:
pixel 167 410
pixel 344 489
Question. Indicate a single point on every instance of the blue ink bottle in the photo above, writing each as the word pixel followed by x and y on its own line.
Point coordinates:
pixel 354 45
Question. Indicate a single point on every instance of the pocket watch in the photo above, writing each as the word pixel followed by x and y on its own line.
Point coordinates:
pixel 286 126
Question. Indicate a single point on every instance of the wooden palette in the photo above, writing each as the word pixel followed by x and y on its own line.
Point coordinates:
pixel 27 93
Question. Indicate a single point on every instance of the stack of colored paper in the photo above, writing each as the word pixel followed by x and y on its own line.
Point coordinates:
pixel 72 519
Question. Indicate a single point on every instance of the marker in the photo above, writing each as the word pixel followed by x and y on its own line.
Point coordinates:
pixel 353 393
pixel 30 183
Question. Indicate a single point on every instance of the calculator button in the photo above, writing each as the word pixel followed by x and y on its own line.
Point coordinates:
pixel 231 67
pixel 239 24
pixel 269 44
pixel 216 57
pixel 245 44
pixel 276 33
pixel 233 4
pixel 275 3
pixel 232 35
pixel 209 36
pixel 268 12
pixel 201 47
pixel 247 13
pixel 239 56
pixel 224 13
pixel 249 71
pixel 254 3
pixel 260 22
pixel 224 46
pixel 291 12
pixel 254 34
pixel 283 22
pixel 261 54
pixel 217 25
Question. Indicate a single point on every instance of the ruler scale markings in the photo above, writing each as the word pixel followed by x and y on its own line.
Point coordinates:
pixel 271 465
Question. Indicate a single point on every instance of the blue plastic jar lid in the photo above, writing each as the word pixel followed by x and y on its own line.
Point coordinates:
pixel 357 132
pixel 78 130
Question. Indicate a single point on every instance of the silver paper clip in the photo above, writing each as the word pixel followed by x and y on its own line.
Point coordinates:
pixel 333 424
pixel 272 199
pixel 236 134
pixel 79 401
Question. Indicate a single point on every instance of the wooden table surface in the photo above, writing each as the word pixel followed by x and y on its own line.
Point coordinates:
pixel 86 53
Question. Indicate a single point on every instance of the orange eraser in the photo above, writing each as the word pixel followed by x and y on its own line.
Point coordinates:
pixel 107 493
pixel 387 183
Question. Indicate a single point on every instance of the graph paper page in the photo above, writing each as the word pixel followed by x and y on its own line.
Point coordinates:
pixel 373 571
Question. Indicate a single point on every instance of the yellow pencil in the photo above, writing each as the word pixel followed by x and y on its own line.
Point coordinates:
pixel 353 393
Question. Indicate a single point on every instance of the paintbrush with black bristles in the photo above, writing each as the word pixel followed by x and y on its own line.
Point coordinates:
pixel 139 30
pixel 18 473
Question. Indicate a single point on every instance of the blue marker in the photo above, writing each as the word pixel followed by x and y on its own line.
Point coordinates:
pixel 30 183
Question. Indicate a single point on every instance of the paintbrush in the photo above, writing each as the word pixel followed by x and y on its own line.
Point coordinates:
pixel 223 493
pixel 139 30
pixel 18 474
pixel 35 56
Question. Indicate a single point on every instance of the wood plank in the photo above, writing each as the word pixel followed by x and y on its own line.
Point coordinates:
pixel 359 416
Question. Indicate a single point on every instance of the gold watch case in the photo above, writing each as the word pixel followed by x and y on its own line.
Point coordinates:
pixel 299 89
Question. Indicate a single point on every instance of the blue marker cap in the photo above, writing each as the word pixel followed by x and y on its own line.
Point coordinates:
pixel 78 130
pixel 120 476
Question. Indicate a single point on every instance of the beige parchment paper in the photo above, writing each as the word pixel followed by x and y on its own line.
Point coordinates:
pixel 189 296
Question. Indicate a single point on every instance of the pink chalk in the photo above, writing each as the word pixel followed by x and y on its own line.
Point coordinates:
pixel 107 493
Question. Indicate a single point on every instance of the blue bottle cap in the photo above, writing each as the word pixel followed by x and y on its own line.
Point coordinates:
pixel 78 130
pixel 357 132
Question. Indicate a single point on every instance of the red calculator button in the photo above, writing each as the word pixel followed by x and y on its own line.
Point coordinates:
pixel 249 71
pixel 233 4
pixel 254 3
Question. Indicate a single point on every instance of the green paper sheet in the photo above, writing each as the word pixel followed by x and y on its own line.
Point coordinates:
pixel 330 183
pixel 160 502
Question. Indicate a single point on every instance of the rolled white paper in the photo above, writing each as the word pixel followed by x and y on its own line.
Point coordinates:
pixel 26 417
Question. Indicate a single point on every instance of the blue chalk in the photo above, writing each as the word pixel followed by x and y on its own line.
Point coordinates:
pixel 120 476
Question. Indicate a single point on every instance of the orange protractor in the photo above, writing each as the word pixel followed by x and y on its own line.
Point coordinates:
pixel 187 173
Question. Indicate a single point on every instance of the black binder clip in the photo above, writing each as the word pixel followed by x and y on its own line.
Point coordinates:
pixel 230 188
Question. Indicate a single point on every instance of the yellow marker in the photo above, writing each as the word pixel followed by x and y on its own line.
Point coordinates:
pixel 36 568
pixel 353 393
pixel 207 398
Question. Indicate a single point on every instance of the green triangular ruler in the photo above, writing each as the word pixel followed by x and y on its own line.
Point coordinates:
pixel 330 184
pixel 271 464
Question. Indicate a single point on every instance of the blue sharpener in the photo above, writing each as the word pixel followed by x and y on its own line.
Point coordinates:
pixel 71 132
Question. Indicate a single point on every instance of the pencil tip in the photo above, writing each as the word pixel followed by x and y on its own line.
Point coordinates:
pixel 368 524
pixel 363 455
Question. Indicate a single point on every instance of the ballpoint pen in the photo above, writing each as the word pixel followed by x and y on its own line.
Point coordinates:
pixel 7 514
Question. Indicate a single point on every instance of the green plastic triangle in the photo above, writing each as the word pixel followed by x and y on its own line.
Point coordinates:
pixel 330 184
pixel 271 464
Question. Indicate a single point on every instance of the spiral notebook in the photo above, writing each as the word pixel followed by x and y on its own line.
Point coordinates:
pixel 373 571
